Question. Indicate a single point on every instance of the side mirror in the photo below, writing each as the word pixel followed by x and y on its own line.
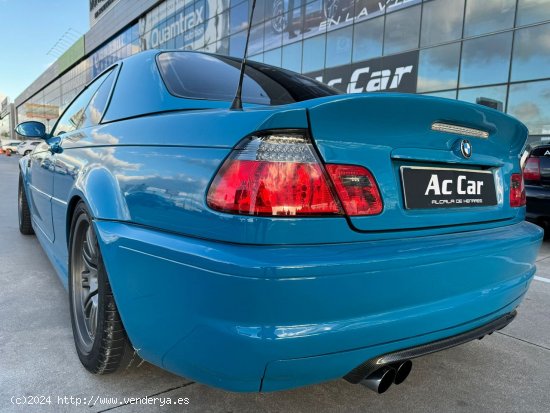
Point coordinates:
pixel 31 129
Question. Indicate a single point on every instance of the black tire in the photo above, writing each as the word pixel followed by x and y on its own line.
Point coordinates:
pixel 102 345
pixel 23 211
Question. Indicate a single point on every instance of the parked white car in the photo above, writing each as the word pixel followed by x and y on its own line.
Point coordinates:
pixel 10 146
pixel 27 147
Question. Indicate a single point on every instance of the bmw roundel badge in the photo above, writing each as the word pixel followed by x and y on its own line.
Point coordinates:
pixel 466 148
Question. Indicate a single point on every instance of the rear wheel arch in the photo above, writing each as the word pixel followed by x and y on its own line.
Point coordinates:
pixel 101 195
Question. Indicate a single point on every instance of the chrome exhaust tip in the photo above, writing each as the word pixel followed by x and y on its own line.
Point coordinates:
pixel 402 371
pixel 380 380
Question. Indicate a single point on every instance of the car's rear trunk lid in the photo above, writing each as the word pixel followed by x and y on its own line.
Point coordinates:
pixel 406 139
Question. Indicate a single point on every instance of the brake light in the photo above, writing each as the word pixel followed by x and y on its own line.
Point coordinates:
pixel 531 171
pixel 277 174
pixel 517 191
pixel 356 189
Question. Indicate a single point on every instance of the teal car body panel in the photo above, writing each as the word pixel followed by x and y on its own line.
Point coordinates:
pixel 251 303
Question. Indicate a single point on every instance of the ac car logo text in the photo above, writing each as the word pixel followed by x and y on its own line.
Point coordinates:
pixel 378 80
pixel 396 73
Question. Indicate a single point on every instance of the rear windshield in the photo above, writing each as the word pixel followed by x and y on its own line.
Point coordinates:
pixel 203 76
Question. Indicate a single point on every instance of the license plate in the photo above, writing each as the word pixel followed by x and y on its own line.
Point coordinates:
pixel 426 188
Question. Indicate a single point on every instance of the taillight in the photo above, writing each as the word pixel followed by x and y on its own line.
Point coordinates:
pixel 277 174
pixel 517 191
pixel 356 189
pixel 531 171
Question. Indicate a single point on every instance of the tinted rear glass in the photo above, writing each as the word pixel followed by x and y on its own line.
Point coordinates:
pixel 203 76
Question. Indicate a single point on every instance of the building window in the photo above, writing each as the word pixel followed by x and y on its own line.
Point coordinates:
pixel 487 16
pixel 438 68
pixel 273 57
pixel 314 54
pixel 441 21
pixel 532 11
pixel 339 47
pixel 531 58
pixel 292 57
pixel 368 37
pixel 257 58
pixel 238 17
pixel 486 60
pixel 448 94
pixel 530 102
pixel 491 92
pixel 292 25
pixel 402 30
pixel 256 41
pixel 263 8
pixel 236 44
pixel 367 9
pixel 271 38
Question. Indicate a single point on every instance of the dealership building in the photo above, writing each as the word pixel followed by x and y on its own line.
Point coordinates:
pixel 458 49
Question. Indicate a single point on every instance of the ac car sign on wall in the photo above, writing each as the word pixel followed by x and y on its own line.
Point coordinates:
pixel 396 73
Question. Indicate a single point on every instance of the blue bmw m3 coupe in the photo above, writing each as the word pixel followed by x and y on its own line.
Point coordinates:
pixel 307 237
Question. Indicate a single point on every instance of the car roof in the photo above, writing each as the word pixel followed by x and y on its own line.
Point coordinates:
pixel 141 69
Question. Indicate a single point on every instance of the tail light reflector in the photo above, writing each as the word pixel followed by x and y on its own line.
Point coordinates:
pixel 517 191
pixel 531 171
pixel 273 175
pixel 356 189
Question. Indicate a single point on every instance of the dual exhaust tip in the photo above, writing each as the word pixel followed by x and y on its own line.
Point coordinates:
pixel 384 377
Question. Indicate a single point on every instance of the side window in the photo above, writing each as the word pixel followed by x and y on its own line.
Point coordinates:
pixel 73 116
pixel 96 108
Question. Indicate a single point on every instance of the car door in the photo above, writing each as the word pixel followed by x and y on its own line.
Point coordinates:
pixel 42 161
pixel 40 184
pixel 67 164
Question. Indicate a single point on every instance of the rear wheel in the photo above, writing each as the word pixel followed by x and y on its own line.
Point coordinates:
pixel 101 341
pixel 23 211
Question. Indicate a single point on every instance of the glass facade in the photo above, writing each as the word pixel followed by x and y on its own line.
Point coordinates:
pixel 48 104
pixel 459 49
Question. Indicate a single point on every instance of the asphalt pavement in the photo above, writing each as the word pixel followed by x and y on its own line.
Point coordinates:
pixel 508 371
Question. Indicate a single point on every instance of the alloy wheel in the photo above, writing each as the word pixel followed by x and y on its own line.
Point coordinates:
pixel 84 260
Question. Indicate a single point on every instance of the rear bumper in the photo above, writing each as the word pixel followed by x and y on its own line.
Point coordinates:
pixel 538 203
pixel 249 318
pixel 370 366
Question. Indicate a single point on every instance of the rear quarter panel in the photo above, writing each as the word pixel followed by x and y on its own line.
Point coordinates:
pixel 155 171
